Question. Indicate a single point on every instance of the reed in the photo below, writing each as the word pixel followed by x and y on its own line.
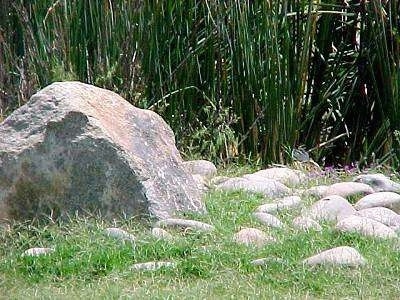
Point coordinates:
pixel 252 79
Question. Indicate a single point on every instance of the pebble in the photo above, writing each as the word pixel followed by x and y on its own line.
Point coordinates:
pixel 306 224
pixel 120 234
pixel 185 224
pixel 346 189
pixel 366 227
pixel 153 265
pixel 268 219
pixel 389 200
pixel 331 208
pixel 339 256
pixel 38 251
pixel 253 237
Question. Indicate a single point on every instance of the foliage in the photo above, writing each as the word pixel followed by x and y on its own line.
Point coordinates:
pixel 233 78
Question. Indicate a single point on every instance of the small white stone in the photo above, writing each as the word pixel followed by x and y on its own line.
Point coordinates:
pixel 286 203
pixel 366 227
pixel 346 189
pixel 331 208
pixel 381 214
pixel 201 167
pixel 339 256
pixel 118 233
pixel 153 265
pixel 161 234
pixel 306 224
pixel 379 182
pixel 389 200
pixel 317 191
pixel 185 224
pixel 284 175
pixel 253 237
pixel 267 260
pixel 268 219
pixel 267 187
pixel 38 251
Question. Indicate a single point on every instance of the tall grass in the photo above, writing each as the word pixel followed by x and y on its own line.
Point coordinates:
pixel 233 78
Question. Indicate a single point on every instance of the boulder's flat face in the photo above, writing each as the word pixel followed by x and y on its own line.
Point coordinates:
pixel 75 147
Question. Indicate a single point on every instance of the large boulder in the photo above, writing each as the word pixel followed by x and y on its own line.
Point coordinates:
pixel 78 148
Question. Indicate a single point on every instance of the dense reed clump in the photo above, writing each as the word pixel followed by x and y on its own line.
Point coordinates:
pixel 233 78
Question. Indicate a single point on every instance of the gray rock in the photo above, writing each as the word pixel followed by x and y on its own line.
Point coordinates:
pixel 306 224
pixel 381 214
pixel 268 220
pixel 346 189
pixel 161 234
pixel 379 182
pixel 286 203
pixel 204 168
pixel 366 227
pixel 331 208
pixel 153 265
pixel 317 191
pixel 218 180
pixel 340 256
pixel 119 234
pixel 389 200
pixel 253 237
pixel 267 187
pixel 285 175
pixel 267 260
pixel 78 148
pixel 38 251
pixel 185 224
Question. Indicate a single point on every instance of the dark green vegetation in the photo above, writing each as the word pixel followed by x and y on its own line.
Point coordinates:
pixel 252 79
pixel 88 265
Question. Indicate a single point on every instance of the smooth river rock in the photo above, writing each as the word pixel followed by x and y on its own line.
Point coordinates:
pixel 253 237
pixel 331 208
pixel 390 200
pixel 346 189
pixel 381 214
pixel 366 227
pixel 379 182
pixel 282 174
pixel 185 224
pixel 340 256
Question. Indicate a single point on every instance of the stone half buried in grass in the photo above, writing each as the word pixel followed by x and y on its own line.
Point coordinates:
pixel 381 214
pixel 331 208
pixel 253 237
pixel 75 147
pixel 283 204
pixel 389 200
pixel 268 220
pixel 306 224
pixel 38 251
pixel 119 234
pixel 282 174
pixel 185 224
pixel 346 189
pixel 366 227
pixel 153 266
pixel 379 182
pixel 161 234
pixel 204 168
pixel 267 187
pixel 340 257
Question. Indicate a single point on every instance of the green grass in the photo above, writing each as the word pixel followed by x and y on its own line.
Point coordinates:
pixel 88 265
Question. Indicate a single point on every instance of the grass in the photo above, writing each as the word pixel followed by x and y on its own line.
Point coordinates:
pixel 88 265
